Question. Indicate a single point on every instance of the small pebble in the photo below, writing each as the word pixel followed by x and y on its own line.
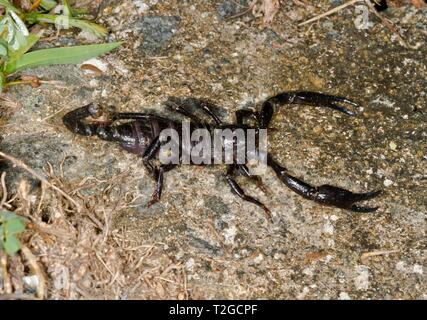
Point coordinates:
pixel 392 145
pixel 388 182
pixel 31 281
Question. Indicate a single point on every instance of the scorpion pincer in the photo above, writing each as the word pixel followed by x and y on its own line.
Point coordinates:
pixel 138 133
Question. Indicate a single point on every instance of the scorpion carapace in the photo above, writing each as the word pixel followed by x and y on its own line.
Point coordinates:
pixel 140 132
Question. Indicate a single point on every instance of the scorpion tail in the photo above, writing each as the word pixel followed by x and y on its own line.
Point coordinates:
pixel 73 120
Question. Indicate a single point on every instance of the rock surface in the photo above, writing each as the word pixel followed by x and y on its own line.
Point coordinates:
pixel 156 32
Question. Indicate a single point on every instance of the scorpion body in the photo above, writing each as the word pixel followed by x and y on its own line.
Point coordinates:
pixel 140 135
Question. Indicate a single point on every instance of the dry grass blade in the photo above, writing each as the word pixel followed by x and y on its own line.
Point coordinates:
pixel 391 26
pixel 22 165
pixel 332 11
pixel 268 8
pixel 35 268
pixel 81 261
pixel 271 7
pixel 4 190
pixel 7 286
pixel 366 255
pixel 386 22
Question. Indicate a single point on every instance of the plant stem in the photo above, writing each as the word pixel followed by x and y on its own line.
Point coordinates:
pixel 16 83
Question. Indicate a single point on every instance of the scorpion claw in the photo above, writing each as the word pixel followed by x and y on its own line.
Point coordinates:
pixel 365 196
pixel 312 98
pixel 345 100
pixel 344 199
pixel 342 109
pixel 334 103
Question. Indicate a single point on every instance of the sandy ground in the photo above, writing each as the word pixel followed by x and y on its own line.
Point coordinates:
pixel 201 241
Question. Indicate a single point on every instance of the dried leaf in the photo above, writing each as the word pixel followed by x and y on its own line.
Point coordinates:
pixel 31 80
pixel 366 255
pixel 418 3
pixel 314 256
pixel 271 7
pixel 91 69
pixel 268 8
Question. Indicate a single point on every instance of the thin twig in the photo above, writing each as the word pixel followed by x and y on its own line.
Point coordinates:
pixel 35 268
pixel 391 26
pixel 185 283
pixel 328 13
pixel 54 114
pixel 367 255
pixel 7 286
pixel 4 190
pixel 39 206
pixel 22 165
pixel 239 14
pixel 113 276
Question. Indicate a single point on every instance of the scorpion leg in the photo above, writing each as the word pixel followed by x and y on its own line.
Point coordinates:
pixel 158 176
pixel 155 172
pixel 152 149
pixel 181 110
pixel 263 118
pixel 186 104
pixel 325 194
pixel 207 107
pixel 307 98
pixel 241 193
pixel 243 114
pixel 245 171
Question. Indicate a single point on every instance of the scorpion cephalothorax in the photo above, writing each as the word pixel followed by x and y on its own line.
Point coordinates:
pixel 140 135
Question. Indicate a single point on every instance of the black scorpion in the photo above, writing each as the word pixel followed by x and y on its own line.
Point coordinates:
pixel 140 135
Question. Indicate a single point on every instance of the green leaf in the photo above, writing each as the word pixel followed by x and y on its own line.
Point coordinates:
pixel 10 225
pixel 14 226
pixel 97 30
pixel 19 24
pixel 31 41
pixel 9 6
pixel 11 245
pixel 6 215
pixel 4 51
pixel 66 55
pixel 48 4
pixel 79 12
pixel 67 8
pixel 2 81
